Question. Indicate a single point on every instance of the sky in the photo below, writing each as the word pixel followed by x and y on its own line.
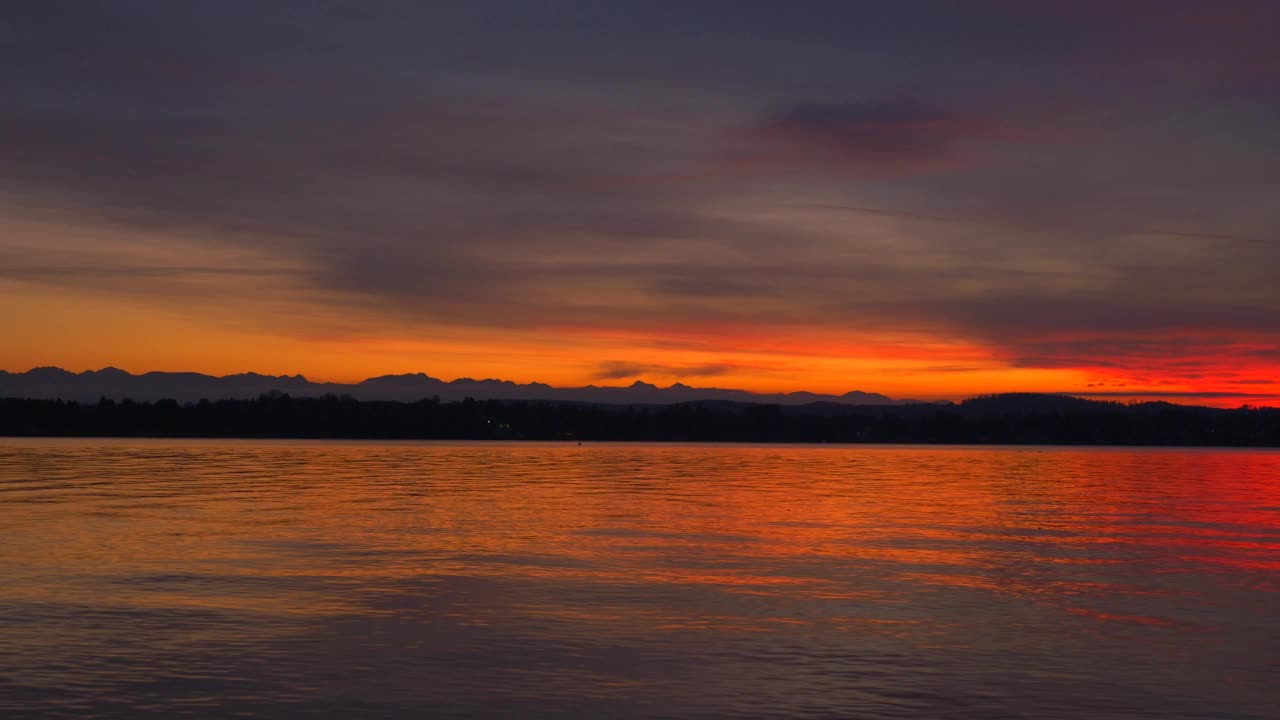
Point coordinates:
pixel 923 199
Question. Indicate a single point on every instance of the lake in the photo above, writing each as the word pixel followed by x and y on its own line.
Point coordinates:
pixel 201 578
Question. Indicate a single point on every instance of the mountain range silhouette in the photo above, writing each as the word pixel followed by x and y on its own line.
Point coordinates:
pixel 54 383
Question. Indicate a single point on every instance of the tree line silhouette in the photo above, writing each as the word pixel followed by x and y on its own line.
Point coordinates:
pixel 1003 419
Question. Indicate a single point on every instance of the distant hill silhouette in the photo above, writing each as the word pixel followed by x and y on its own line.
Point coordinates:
pixel 1030 403
pixel 1005 419
pixel 53 383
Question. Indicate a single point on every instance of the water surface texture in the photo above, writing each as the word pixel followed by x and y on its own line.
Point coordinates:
pixel 160 578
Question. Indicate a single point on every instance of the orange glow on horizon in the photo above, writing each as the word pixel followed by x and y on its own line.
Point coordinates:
pixel 79 332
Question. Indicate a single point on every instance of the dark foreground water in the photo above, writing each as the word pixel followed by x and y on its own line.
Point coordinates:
pixel 166 579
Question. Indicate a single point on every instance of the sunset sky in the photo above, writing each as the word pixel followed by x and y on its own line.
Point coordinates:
pixel 921 199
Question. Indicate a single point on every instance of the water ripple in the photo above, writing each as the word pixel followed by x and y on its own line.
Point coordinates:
pixel 298 579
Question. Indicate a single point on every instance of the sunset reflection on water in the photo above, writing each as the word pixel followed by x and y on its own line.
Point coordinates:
pixel 152 578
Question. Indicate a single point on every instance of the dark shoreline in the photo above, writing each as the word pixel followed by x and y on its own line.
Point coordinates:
pixel 1014 420
pixel 690 443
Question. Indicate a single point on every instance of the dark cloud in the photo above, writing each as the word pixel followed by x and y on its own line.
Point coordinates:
pixel 889 137
pixel 1027 226
pixel 622 370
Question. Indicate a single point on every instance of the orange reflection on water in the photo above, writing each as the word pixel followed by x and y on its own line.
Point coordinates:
pixel 433 548
pixel 811 522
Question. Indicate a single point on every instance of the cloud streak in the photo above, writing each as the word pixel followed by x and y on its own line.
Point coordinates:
pixel 879 137
pixel 622 370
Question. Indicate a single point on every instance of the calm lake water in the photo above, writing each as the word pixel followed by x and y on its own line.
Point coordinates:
pixel 156 578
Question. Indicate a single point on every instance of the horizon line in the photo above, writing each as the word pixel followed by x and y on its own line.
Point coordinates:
pixel 1116 395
